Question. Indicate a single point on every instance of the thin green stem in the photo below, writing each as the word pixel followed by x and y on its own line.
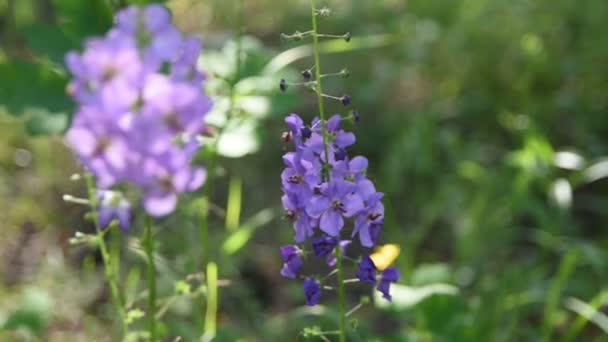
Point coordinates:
pixel 212 302
pixel 341 295
pixel 319 87
pixel 109 268
pixel 149 248
pixel 319 91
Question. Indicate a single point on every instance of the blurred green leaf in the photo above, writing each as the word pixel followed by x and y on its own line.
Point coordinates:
pixel 239 238
pixel 406 297
pixel 42 123
pixel 48 41
pixel 427 274
pixel 38 90
pixel 81 19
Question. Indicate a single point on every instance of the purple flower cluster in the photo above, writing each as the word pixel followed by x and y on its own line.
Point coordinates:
pixel 323 188
pixel 140 107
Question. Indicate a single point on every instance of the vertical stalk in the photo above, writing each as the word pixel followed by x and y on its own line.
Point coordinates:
pixel 109 268
pixel 149 248
pixel 341 294
pixel 326 173
pixel 212 300
pixel 211 304
pixel 318 85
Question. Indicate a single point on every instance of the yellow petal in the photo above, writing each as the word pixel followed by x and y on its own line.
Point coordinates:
pixel 385 255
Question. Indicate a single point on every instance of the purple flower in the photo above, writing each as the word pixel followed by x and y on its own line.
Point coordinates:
pixel 113 206
pixel 367 270
pixel 100 145
pixel 303 224
pixel 370 220
pixel 367 273
pixel 141 105
pixel 351 170
pixel 337 200
pixel 292 257
pixel 389 275
pixel 302 172
pixel 323 246
pixel 312 291
pixel 165 179
pixel 331 258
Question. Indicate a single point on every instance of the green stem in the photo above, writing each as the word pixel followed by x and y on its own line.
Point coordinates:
pixel 341 294
pixel 149 247
pixel 319 91
pixel 212 302
pixel 210 308
pixel 319 87
pixel 109 268
pixel 566 267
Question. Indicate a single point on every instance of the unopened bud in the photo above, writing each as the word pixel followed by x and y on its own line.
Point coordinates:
pixel 283 85
pixel 345 100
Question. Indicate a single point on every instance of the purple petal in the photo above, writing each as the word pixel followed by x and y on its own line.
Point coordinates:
pixel 312 291
pixel 160 204
pixel 331 222
pixel 344 139
pixel 358 164
pixel 391 274
pixel 352 204
pixel 317 206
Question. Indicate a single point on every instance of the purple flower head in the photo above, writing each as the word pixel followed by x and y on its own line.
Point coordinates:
pixel 141 104
pixel 331 258
pixel 303 172
pixel 336 201
pixel 294 205
pixel 367 270
pixel 292 258
pixel 164 180
pixel 113 206
pixel 100 145
pixel 312 291
pixel 351 170
pixel 299 131
pixel 323 246
pixel 389 275
pixel 370 220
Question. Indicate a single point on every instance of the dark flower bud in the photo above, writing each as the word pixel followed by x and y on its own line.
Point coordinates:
pixel 306 132
pixel 347 37
pixel 286 137
pixel 340 154
pixel 283 84
pixel 307 75
pixel 356 116
pixel 345 100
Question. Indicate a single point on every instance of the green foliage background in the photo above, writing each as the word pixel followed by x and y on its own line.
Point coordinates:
pixel 485 123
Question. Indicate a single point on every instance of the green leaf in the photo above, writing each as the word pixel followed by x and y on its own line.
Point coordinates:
pixel 81 19
pixel 25 85
pixel 406 297
pixel 42 123
pixel 426 274
pixel 48 41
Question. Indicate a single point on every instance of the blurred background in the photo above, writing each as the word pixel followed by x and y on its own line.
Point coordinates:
pixel 485 123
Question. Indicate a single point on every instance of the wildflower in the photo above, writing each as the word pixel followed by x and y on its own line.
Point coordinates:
pixel 367 273
pixel 337 200
pixel 292 256
pixel 113 206
pixel 141 105
pixel 389 275
pixel 312 291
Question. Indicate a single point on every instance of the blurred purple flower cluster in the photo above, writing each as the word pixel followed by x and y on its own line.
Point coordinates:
pixel 140 107
pixel 323 187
